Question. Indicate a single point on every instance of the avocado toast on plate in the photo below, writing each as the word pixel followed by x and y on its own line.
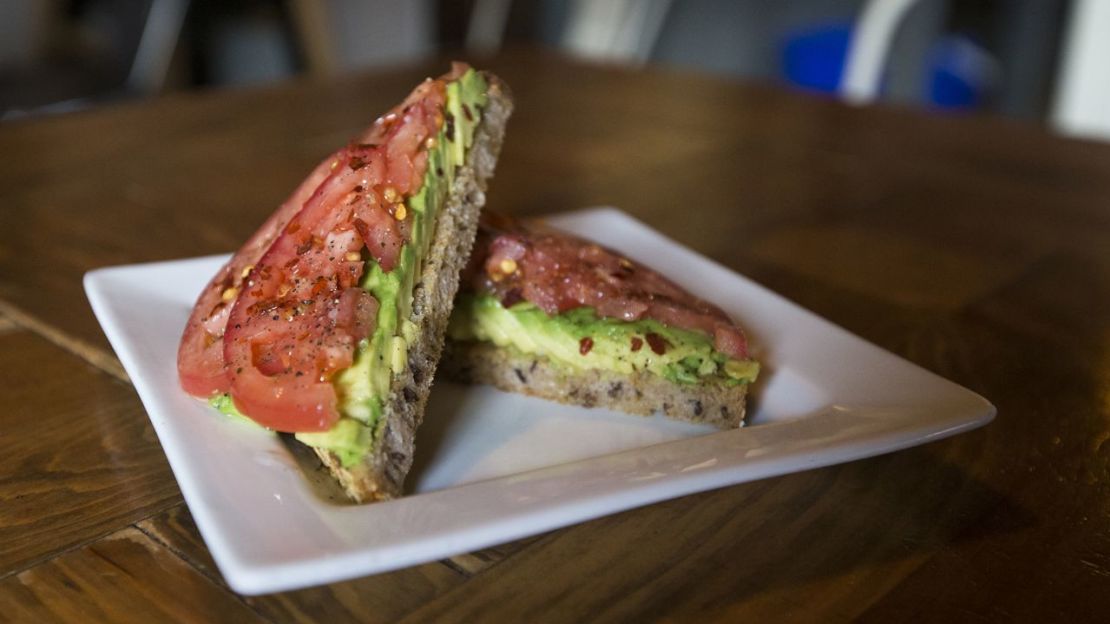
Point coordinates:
pixel 328 323
pixel 548 314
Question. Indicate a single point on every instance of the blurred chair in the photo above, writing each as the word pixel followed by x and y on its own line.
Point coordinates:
pixel 1082 100
pixel 1081 105
pixel 614 30
pixel 869 48
pixel 620 30
pixel 157 44
pixel 945 70
pixel 337 35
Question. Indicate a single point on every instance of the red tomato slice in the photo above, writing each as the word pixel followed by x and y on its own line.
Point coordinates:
pixel 559 272
pixel 300 314
pixel 264 388
pixel 200 357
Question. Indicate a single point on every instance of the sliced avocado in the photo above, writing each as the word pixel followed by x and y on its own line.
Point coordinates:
pixel 579 339
pixel 224 403
pixel 348 439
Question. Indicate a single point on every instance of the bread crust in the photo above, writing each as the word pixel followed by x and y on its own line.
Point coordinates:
pixel 641 393
pixel 381 475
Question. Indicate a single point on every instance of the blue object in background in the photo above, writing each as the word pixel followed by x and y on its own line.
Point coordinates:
pixel 814 58
pixel 959 74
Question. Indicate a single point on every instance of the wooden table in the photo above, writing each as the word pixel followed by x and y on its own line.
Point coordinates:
pixel 975 247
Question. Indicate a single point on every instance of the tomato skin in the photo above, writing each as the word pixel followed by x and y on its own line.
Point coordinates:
pixel 200 360
pixel 559 272
pixel 282 406
pixel 286 314
pixel 284 340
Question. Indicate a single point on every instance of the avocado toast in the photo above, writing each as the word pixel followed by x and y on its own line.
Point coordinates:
pixel 551 315
pixel 329 322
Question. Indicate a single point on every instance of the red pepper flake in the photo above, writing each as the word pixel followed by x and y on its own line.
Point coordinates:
pixel 356 163
pixel 637 344
pixel 657 343
pixel 362 228
pixel 511 298
pixel 292 227
pixel 263 307
pixel 585 345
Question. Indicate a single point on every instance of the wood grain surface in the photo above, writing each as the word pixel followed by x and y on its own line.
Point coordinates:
pixel 977 248
pixel 381 598
pixel 124 577
pixel 79 457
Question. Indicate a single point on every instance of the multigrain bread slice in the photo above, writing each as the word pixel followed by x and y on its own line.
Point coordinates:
pixel 507 369
pixel 381 474
pixel 559 316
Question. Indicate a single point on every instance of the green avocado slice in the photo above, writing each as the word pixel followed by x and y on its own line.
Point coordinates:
pixel 579 339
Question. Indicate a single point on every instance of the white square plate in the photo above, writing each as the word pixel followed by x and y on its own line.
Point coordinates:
pixel 494 467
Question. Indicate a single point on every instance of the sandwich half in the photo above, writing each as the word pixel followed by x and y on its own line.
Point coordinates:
pixel 544 313
pixel 329 322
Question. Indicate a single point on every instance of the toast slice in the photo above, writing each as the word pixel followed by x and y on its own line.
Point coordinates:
pixel 381 472
pixel 328 323
pixel 554 316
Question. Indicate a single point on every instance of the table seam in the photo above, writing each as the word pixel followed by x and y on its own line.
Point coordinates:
pixel 93 355
pixel 34 563
pixel 211 576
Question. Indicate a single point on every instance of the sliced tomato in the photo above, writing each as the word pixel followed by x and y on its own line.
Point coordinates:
pixel 300 315
pixel 286 388
pixel 286 314
pixel 559 272
pixel 200 356
pixel 289 331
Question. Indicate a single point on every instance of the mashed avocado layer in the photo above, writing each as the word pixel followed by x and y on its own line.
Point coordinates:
pixel 579 339
pixel 362 388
